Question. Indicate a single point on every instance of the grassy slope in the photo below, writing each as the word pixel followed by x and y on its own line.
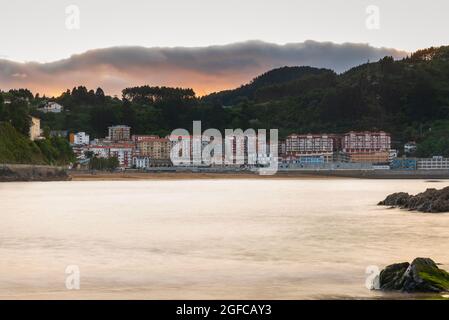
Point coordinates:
pixel 16 148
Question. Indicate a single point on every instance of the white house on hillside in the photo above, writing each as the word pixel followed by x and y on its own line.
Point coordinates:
pixel 52 107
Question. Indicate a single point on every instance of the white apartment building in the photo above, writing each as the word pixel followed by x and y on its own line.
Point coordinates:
pixel 141 162
pixel 434 163
pixel 99 151
pixel 410 147
pixel 124 154
pixel 81 138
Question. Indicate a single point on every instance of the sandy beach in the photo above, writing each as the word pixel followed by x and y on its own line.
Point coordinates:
pixel 123 176
pixel 281 175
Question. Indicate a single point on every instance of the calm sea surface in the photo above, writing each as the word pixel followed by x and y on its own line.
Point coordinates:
pixel 214 239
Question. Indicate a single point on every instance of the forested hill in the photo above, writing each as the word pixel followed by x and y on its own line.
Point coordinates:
pixel 409 98
pixel 277 77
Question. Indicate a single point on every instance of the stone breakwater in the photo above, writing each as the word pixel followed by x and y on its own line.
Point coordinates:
pixel 431 200
pixel 12 173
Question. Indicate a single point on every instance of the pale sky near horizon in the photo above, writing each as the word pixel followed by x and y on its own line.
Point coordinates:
pixel 36 30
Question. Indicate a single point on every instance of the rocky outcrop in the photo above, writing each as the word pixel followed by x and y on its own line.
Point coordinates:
pixel 432 200
pixel 422 275
pixel 11 173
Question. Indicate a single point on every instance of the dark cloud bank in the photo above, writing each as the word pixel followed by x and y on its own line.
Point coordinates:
pixel 206 69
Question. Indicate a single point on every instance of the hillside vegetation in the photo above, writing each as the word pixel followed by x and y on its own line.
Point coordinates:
pixel 16 148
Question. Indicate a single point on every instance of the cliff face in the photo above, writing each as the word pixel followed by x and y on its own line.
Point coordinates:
pixel 10 173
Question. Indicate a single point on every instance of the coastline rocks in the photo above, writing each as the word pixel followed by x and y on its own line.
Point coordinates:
pixel 431 200
pixel 12 173
pixel 422 275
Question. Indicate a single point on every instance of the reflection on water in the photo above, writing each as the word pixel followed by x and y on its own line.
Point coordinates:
pixel 216 239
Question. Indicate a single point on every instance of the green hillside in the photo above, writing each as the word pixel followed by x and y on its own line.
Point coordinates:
pixel 409 98
pixel 275 77
pixel 17 148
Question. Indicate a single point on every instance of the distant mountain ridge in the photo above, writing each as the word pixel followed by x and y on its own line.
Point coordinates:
pixel 277 76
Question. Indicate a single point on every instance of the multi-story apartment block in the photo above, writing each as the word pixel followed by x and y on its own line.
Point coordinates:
pixel 235 149
pixel 369 147
pixel 119 133
pixel 123 152
pixel 319 146
pixel 434 163
pixel 155 148
pixel 80 138
pixel 366 141
pixel 100 151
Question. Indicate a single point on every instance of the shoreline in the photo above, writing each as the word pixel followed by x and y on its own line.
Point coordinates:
pixel 281 175
pixel 125 176
pixel 29 173
pixel 24 173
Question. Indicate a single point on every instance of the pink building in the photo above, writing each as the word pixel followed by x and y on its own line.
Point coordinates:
pixel 366 141
pixel 319 145
pixel 369 147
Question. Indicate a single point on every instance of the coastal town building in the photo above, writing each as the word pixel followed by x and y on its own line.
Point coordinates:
pixel 140 162
pixel 237 151
pixel 100 151
pixel 123 152
pixel 80 138
pixel 393 155
pixel 434 163
pixel 410 147
pixel 51 107
pixel 369 147
pixel 353 150
pixel 155 148
pixel 183 146
pixel 119 133
pixel 35 129
pixel 59 133
pixel 309 148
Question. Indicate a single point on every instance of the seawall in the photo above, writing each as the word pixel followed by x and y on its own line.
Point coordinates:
pixel 18 172
pixel 374 174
